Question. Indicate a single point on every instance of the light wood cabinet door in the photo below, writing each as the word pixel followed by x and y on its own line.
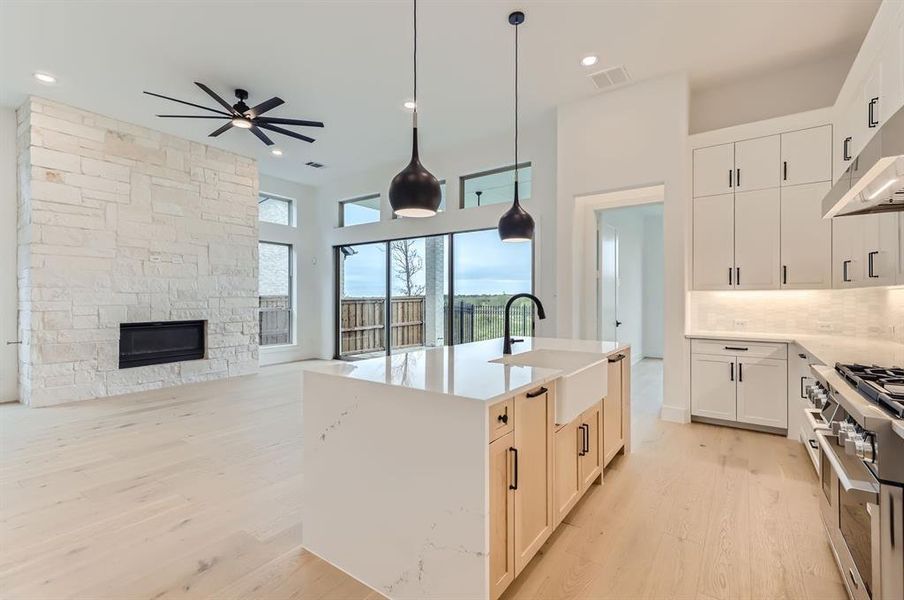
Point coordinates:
pixel 533 473
pixel 502 515
pixel 567 480
pixel 806 238
pixel 847 246
pixel 807 156
pixel 880 249
pixel 757 163
pixel 714 242
pixel 590 455
pixel 714 170
pixel 762 392
pixel 713 390
pixel 613 418
pixel 757 218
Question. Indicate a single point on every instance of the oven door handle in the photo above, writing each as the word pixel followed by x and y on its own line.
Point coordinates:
pixel 849 484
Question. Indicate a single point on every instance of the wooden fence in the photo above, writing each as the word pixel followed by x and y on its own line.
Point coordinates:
pixel 275 320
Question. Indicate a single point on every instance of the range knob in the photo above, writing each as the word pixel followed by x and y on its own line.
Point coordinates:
pixel 845 430
pixel 865 450
pixel 851 443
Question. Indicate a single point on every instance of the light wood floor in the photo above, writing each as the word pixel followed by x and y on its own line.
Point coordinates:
pixel 195 492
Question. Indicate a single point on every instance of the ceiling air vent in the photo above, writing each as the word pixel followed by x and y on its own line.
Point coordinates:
pixel 611 77
pixel 315 165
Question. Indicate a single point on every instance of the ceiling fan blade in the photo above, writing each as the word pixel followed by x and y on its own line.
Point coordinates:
pixel 261 136
pixel 194 117
pixel 284 131
pixel 216 97
pixel 263 107
pixel 290 121
pixel 225 127
pixel 188 103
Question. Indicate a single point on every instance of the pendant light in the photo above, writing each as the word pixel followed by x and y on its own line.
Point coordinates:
pixel 516 225
pixel 414 192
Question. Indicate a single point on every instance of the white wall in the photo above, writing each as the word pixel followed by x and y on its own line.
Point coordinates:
pixel 8 306
pixel 537 145
pixel 312 267
pixel 628 138
pixel 653 277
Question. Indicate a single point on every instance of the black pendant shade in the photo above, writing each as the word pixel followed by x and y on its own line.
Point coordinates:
pixel 516 225
pixel 415 192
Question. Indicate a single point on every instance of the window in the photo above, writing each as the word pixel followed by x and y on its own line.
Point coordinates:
pixel 359 210
pixel 486 272
pixel 439 290
pixel 442 199
pixel 276 294
pixel 496 186
pixel 272 209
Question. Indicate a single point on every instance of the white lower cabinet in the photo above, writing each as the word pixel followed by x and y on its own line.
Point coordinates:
pixel 740 382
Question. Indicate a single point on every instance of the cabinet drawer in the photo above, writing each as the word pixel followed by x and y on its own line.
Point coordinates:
pixel 740 348
pixel 502 418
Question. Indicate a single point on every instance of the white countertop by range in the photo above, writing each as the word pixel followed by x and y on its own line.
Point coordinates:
pixel 465 370
pixel 829 349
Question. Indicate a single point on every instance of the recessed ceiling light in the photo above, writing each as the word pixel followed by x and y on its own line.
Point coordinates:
pixel 409 105
pixel 276 152
pixel 589 60
pixel 45 77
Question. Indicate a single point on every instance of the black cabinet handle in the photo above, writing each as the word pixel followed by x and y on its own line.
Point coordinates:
pixel 740 372
pixel 891 519
pixel 785 170
pixel 785 274
pixel 538 392
pixel 580 432
pixel 738 178
pixel 813 444
pixel 586 438
pixel 617 358
pixel 731 371
pixel 802 393
pixel 730 176
pixel 844 271
pixel 872 121
pixel 737 278
pixel 503 418
pixel 871 263
pixel 846 149
pixel 738 348
pixel 514 484
pixel 730 281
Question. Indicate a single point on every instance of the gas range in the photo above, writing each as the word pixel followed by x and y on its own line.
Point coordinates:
pixel 882 385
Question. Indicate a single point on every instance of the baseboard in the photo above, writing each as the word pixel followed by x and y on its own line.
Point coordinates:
pixel 675 414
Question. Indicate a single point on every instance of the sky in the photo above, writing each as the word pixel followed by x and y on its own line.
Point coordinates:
pixel 483 265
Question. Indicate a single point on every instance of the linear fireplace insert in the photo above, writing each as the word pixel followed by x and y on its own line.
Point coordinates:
pixel 156 343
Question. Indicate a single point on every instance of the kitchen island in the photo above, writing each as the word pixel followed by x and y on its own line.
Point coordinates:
pixel 439 473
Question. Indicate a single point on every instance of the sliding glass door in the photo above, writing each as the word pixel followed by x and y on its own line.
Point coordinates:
pixel 404 294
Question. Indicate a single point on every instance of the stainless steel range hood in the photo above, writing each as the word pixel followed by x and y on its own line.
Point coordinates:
pixel 874 182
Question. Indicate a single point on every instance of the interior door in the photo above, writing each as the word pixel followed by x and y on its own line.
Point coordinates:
pixel 714 242
pixel 713 389
pixel 608 288
pixel 533 481
pixel 806 238
pixel 757 163
pixel 757 232
pixel 502 512
pixel 807 155
pixel 568 440
pixel 762 391
pixel 880 249
pixel 714 170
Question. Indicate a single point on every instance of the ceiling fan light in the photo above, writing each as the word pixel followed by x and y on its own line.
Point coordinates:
pixel 241 122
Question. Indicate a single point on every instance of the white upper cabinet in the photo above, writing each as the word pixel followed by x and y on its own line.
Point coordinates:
pixel 806 156
pixel 714 170
pixel 756 223
pixel 757 163
pixel 880 249
pixel 847 245
pixel 714 242
pixel 806 238
pixel 901 248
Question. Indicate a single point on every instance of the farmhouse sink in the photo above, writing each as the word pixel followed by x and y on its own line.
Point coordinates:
pixel 583 381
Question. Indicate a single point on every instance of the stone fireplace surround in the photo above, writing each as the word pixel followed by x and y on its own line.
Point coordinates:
pixel 118 223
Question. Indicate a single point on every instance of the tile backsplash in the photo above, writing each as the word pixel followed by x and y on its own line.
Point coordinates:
pixel 865 313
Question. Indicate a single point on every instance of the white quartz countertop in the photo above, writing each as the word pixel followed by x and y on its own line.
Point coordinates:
pixel 466 370
pixel 829 349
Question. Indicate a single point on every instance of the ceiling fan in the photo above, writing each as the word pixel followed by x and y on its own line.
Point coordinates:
pixel 244 117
